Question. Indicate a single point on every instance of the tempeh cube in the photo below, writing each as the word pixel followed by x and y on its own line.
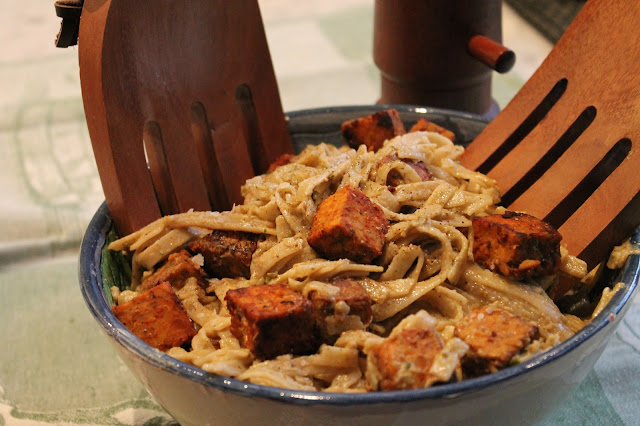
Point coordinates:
pixel 350 300
pixel 516 245
pixel 372 131
pixel 272 320
pixel 157 317
pixel 404 360
pixel 177 270
pixel 282 160
pixel 227 254
pixel 425 125
pixel 494 337
pixel 349 225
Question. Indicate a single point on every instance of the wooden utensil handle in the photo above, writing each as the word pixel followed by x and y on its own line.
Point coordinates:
pixel 491 53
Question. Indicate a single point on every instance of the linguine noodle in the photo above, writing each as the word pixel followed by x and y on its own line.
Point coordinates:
pixel 425 277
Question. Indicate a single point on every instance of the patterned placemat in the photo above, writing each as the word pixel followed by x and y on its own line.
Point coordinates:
pixel 56 367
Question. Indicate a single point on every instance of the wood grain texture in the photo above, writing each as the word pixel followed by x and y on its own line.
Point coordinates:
pixel 598 59
pixel 192 84
pixel 421 50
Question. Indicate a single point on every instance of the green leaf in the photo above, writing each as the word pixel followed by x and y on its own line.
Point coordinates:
pixel 115 267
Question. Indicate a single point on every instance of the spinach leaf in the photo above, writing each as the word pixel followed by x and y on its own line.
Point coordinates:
pixel 115 268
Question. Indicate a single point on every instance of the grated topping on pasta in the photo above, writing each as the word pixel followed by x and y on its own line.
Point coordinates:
pixel 425 278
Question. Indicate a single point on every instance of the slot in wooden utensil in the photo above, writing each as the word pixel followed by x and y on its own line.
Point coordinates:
pixel 565 148
pixel 182 106
pixel 181 103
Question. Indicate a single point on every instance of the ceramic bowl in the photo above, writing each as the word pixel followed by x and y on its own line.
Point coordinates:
pixel 518 394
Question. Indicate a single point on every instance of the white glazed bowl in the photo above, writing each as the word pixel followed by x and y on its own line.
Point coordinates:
pixel 518 394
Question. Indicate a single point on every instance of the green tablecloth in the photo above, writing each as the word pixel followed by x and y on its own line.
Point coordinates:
pixel 56 367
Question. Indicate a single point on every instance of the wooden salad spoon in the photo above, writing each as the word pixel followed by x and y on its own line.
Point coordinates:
pixel 565 148
pixel 186 87
pixel 182 106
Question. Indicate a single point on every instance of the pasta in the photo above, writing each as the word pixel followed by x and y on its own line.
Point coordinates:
pixel 425 278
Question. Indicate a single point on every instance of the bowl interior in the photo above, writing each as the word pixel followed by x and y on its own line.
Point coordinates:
pixel 311 127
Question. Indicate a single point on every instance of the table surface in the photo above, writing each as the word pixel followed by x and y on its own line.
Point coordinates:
pixel 56 367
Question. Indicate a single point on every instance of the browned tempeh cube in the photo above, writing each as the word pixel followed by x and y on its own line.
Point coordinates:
pixel 351 293
pixel 280 161
pixel 227 254
pixel 516 245
pixel 404 359
pixel 349 225
pixel 373 130
pixel 178 268
pixel 494 337
pixel 272 320
pixel 157 317
pixel 425 125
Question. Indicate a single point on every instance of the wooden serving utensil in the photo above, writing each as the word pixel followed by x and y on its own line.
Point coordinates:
pixel 565 148
pixel 186 87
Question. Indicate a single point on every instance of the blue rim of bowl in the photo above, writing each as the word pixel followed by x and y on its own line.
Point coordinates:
pixel 91 287
pixel 357 109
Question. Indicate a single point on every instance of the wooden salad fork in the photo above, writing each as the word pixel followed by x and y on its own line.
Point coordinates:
pixel 565 148
pixel 186 87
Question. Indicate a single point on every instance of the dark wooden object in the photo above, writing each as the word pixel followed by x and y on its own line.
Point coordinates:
pixel 181 102
pixel 491 53
pixel 565 148
pixel 439 53
pixel 190 86
pixel 69 11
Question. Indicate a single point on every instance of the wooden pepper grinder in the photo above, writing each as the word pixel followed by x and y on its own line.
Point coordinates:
pixel 440 53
